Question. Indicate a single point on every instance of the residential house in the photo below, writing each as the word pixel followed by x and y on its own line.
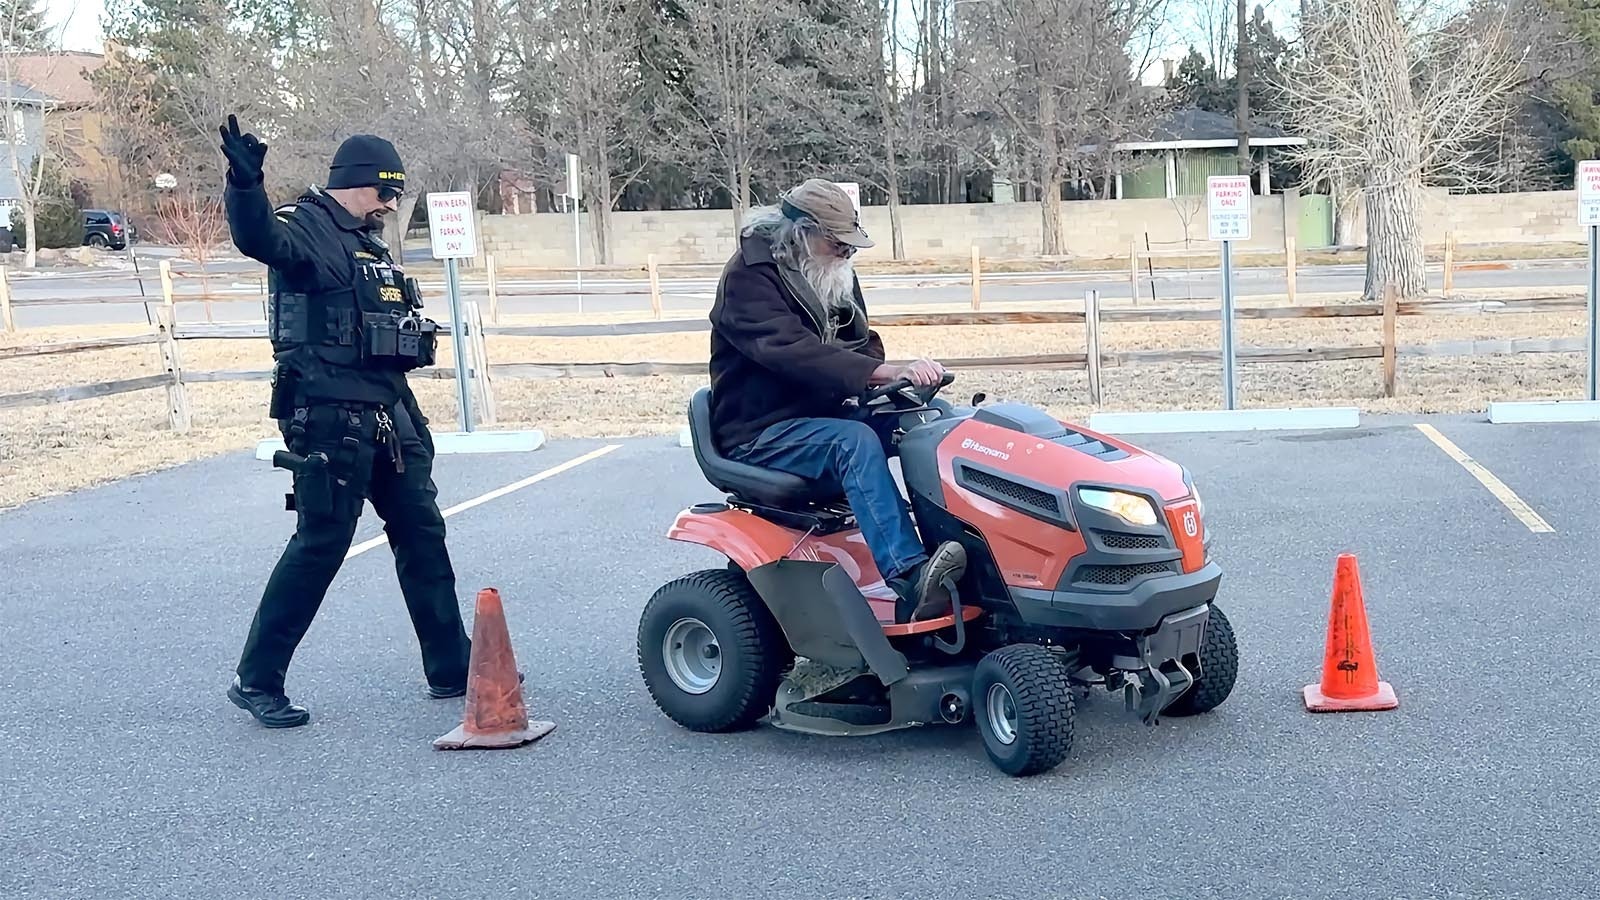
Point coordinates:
pixel 76 123
pixel 25 129
pixel 1190 144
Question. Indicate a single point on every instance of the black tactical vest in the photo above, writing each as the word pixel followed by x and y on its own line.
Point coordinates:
pixel 371 324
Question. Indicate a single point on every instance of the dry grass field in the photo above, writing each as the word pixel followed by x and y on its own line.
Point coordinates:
pixel 64 446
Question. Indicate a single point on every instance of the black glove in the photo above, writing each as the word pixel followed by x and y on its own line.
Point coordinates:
pixel 244 152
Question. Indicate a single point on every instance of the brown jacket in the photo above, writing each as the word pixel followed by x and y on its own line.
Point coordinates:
pixel 768 359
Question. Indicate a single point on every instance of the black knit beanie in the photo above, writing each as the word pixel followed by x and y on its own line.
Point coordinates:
pixel 366 160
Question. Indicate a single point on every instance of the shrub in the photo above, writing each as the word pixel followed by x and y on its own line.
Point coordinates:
pixel 58 219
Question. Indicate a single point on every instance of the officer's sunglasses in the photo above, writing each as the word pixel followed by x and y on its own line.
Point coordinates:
pixel 387 193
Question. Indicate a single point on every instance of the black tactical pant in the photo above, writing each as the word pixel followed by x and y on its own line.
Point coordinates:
pixel 361 468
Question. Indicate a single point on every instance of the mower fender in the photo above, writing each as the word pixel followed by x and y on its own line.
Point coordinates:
pixel 750 541
pixel 825 618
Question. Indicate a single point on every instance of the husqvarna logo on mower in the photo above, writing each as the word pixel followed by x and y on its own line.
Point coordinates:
pixel 1191 526
pixel 970 444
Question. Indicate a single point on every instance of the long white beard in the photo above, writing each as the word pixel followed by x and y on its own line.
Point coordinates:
pixel 833 280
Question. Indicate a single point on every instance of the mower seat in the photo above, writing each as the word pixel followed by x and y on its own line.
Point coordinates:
pixel 752 484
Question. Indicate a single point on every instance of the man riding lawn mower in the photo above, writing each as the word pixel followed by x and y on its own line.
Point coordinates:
pixel 1041 557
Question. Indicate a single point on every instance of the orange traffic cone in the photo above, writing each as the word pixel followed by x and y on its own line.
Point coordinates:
pixel 1349 668
pixel 496 716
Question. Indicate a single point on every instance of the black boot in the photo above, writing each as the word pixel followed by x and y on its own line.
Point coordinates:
pixel 920 593
pixel 445 693
pixel 271 710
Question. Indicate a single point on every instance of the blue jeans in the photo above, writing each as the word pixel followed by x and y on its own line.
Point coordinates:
pixel 851 456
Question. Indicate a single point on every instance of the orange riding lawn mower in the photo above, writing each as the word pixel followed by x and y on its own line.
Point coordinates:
pixel 1087 565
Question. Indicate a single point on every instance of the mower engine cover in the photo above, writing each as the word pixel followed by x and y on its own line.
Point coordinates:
pixel 1080 529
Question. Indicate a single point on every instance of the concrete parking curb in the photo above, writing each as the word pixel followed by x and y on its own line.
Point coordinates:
pixel 455 442
pixel 1524 412
pixel 1297 419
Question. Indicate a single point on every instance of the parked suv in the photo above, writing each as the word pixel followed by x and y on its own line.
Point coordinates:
pixel 104 228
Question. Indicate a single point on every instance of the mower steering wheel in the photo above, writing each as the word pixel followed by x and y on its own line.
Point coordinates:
pixel 900 386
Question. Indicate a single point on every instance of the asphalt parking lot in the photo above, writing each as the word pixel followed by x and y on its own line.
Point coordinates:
pixel 128 774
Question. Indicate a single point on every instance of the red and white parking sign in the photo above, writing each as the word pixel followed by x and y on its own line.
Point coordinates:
pixel 453 225
pixel 1589 192
pixel 1228 207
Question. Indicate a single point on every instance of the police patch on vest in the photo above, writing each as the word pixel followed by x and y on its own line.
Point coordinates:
pixel 391 294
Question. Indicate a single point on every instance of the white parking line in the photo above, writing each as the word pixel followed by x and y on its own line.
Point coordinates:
pixel 1505 495
pixel 381 539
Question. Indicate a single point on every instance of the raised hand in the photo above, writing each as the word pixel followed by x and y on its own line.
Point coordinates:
pixel 244 152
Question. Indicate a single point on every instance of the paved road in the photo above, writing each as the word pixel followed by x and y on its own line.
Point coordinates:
pixel 128 774
pixel 51 301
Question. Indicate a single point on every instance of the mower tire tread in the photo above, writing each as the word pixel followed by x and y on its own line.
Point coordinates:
pixel 1219 669
pixel 754 652
pixel 1045 708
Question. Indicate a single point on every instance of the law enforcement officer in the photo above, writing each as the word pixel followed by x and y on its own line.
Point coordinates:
pixel 345 328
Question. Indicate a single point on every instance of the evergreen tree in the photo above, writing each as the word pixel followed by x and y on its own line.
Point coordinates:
pixel 1197 83
pixel 21 26
pixel 1578 97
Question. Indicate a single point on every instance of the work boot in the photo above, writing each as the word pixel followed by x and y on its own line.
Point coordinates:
pixel 922 590
pixel 445 693
pixel 270 709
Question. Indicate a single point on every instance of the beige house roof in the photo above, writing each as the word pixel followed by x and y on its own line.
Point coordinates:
pixel 64 76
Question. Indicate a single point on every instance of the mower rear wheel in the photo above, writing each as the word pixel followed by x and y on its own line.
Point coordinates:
pixel 710 652
pixel 1023 705
pixel 1219 669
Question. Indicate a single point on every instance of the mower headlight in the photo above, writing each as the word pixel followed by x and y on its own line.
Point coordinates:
pixel 1130 507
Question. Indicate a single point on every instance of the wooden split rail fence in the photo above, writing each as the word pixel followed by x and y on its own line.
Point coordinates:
pixel 1141 277
pixel 167 336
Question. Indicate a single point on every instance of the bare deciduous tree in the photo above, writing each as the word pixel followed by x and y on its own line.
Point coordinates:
pixel 581 93
pixel 729 100
pixel 886 79
pixel 1054 77
pixel 24 110
pixel 1391 97
pixel 190 216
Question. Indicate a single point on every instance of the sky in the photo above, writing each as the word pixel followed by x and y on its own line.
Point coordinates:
pixel 1183 25
pixel 78 21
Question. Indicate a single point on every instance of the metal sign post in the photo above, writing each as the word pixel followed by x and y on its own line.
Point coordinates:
pixel 574 192
pixel 1594 310
pixel 453 227
pixel 1589 217
pixel 1229 394
pixel 1228 220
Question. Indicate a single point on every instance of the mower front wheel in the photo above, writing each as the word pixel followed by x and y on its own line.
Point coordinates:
pixel 1219 669
pixel 710 652
pixel 1023 705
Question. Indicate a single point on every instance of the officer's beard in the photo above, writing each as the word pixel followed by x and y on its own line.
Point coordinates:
pixel 375 221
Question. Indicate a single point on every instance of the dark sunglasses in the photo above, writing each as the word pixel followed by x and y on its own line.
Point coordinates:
pixel 387 193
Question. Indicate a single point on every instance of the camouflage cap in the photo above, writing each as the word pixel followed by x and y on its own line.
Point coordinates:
pixel 831 207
